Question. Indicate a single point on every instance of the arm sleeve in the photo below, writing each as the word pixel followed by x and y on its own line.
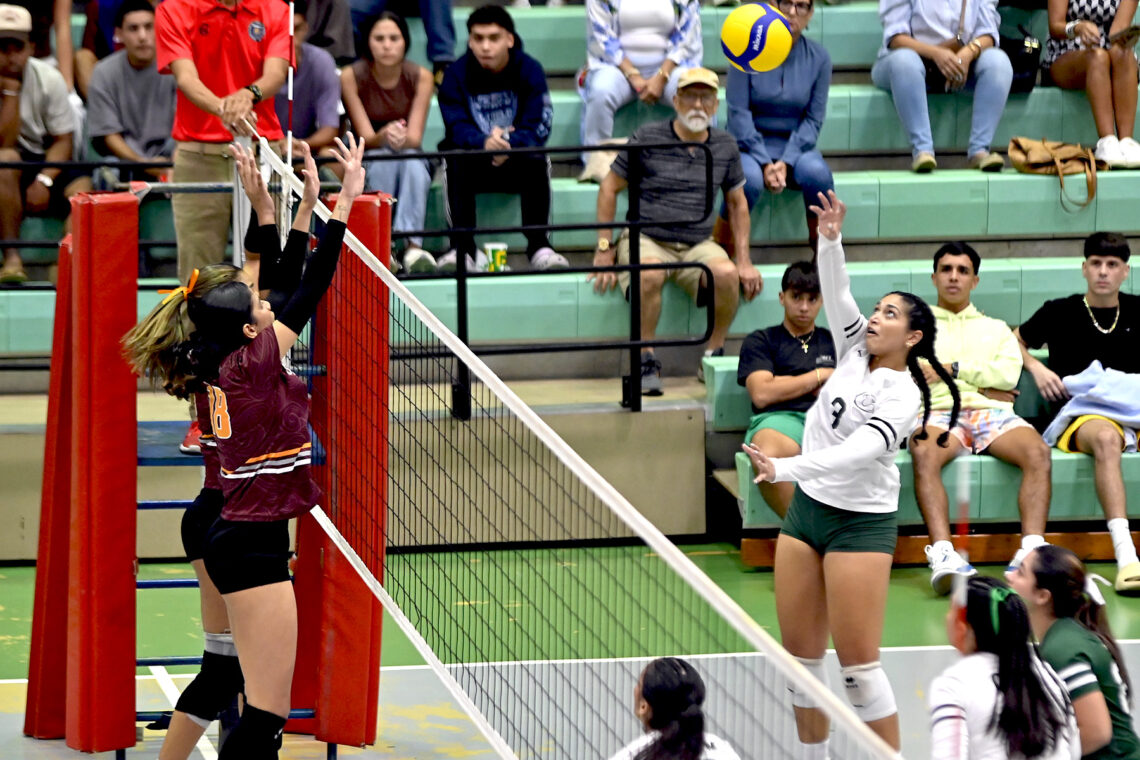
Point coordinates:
pixel 279 43
pixel 949 732
pixel 602 41
pixel 806 134
pixel 734 174
pixel 755 356
pixel 102 115
pixel 988 21
pixel 461 128
pixel 685 44
pixel 620 166
pixel 171 40
pixel 59 119
pixel 318 276
pixel 740 122
pixel 1078 676
pixel 1002 370
pixel 532 123
pixel 880 434
pixel 288 269
pixel 895 17
pixel 1035 330
pixel 848 326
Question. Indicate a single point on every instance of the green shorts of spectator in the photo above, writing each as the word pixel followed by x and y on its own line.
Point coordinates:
pixel 790 424
pixel 828 529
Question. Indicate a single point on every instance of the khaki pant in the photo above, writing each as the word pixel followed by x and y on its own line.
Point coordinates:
pixel 688 278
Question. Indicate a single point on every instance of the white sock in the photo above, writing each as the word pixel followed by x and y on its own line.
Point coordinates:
pixel 942 546
pixel 1031 541
pixel 1122 544
pixel 814 751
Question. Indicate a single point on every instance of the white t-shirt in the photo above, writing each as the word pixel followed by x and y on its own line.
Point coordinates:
pixel 644 28
pixel 44 107
pixel 715 748
pixel 853 431
pixel 962 702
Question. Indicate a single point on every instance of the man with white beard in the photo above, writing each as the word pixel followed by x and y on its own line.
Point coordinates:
pixel 673 197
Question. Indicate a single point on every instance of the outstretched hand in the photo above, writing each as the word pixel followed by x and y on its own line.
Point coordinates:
pixel 312 189
pixel 763 466
pixel 252 182
pixel 351 160
pixel 831 212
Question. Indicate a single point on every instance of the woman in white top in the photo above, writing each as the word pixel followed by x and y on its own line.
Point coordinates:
pixel 667 700
pixel 833 556
pixel 1000 700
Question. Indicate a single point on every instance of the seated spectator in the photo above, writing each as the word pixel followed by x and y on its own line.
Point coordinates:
pixel 672 182
pixel 438 26
pixel 982 356
pixel 1100 325
pixel 36 124
pixel 1080 57
pixel 926 49
pixel 783 367
pixel 130 105
pixel 387 98
pixel 636 51
pixel 316 90
pixel 776 117
pixel 99 39
pixel 495 98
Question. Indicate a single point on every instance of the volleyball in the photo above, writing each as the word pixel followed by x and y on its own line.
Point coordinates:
pixel 756 37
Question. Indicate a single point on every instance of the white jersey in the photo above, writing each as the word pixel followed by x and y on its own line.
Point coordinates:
pixel 962 703
pixel 715 748
pixel 853 431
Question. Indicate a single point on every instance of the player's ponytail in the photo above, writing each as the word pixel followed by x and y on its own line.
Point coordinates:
pixel 1063 574
pixel 1029 716
pixel 920 317
pixel 675 694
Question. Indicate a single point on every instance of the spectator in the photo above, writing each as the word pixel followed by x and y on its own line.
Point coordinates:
pixel 387 98
pixel 982 356
pixel 783 367
pixel 316 90
pixel 1081 56
pixel 438 26
pixel 330 28
pixel 130 105
pixel 36 124
pixel 495 98
pixel 672 186
pixel 1099 325
pixel 935 46
pixel 636 51
pixel 776 117
pixel 99 39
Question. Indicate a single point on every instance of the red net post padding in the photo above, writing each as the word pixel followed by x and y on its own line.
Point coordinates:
pixel 339 663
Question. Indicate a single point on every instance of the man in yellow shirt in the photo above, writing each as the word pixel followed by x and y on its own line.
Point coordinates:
pixel 983 356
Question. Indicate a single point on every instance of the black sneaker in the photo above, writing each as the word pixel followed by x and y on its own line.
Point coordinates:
pixel 701 364
pixel 651 376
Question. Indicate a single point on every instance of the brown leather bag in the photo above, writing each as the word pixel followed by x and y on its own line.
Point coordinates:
pixel 1031 156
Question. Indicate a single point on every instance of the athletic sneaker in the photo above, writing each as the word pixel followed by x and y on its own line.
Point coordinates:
pixel 1130 149
pixel 1108 150
pixel 651 376
pixel 944 564
pixel 1018 558
pixel 446 262
pixel 419 261
pixel 547 258
pixel 192 443
pixel 701 365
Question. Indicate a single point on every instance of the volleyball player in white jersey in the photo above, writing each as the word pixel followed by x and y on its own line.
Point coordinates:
pixel 833 556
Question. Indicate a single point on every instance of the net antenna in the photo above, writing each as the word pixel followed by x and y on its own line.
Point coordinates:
pixel 533 589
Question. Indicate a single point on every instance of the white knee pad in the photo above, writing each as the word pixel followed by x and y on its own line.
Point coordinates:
pixel 869 691
pixel 801 698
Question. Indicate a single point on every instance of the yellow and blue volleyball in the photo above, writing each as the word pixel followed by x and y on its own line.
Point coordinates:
pixel 756 37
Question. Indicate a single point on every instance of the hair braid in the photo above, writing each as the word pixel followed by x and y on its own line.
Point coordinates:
pixel 921 318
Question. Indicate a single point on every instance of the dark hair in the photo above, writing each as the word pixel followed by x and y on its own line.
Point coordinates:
pixel 370 24
pixel 1028 715
pixel 132 6
pixel 802 277
pixel 920 317
pixel 1107 244
pixel 1063 575
pixel 675 693
pixel 491 14
pixel 958 248
pixel 300 7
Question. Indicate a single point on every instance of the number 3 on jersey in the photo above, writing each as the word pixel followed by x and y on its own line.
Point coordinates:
pixel 219 412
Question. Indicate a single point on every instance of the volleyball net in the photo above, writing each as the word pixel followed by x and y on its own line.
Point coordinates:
pixel 533 589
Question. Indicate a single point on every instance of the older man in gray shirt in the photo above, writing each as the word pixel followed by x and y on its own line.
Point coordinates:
pixel 671 188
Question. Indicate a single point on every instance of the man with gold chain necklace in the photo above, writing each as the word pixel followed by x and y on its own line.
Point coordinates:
pixel 1102 325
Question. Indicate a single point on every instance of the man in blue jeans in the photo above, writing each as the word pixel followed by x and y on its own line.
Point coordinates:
pixel 436 15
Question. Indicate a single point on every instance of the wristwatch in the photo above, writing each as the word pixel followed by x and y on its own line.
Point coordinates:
pixel 603 245
pixel 257 96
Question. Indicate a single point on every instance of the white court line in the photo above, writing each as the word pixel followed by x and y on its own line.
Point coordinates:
pixel 170 691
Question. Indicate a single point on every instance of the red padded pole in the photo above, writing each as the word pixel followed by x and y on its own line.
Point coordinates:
pixel 47 673
pixel 101 568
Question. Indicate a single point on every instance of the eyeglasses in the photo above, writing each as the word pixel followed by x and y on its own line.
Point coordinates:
pixel 705 98
pixel 802 9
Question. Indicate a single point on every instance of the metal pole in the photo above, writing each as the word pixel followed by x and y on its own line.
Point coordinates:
pixel 631 390
pixel 461 388
pixel 241 209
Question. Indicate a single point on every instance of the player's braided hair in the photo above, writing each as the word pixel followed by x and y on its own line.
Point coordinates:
pixel 1062 573
pixel 675 693
pixel 920 317
pixel 1028 715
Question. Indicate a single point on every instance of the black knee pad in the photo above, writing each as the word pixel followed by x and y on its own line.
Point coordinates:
pixel 213 689
pixel 257 736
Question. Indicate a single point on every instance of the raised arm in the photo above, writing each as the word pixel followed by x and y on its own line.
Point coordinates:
pixel 848 325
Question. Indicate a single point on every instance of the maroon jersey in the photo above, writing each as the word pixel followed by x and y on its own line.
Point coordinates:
pixel 260 418
pixel 209 445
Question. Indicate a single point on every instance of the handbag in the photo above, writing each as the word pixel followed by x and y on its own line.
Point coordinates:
pixel 1031 156
pixel 1025 56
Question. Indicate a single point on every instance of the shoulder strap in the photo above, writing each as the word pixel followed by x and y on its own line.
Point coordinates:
pixel 961 22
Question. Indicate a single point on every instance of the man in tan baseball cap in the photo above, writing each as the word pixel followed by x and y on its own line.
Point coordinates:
pixel 15 23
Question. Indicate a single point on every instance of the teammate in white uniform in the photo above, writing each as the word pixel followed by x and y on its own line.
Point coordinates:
pixel 1000 700
pixel 833 556
pixel 667 700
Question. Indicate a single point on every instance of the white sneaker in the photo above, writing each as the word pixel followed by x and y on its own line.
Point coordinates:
pixel 419 261
pixel 548 258
pixel 1130 149
pixel 944 564
pixel 1018 558
pixel 1108 150
pixel 446 262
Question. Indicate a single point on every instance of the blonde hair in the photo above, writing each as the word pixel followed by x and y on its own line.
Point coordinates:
pixel 150 346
